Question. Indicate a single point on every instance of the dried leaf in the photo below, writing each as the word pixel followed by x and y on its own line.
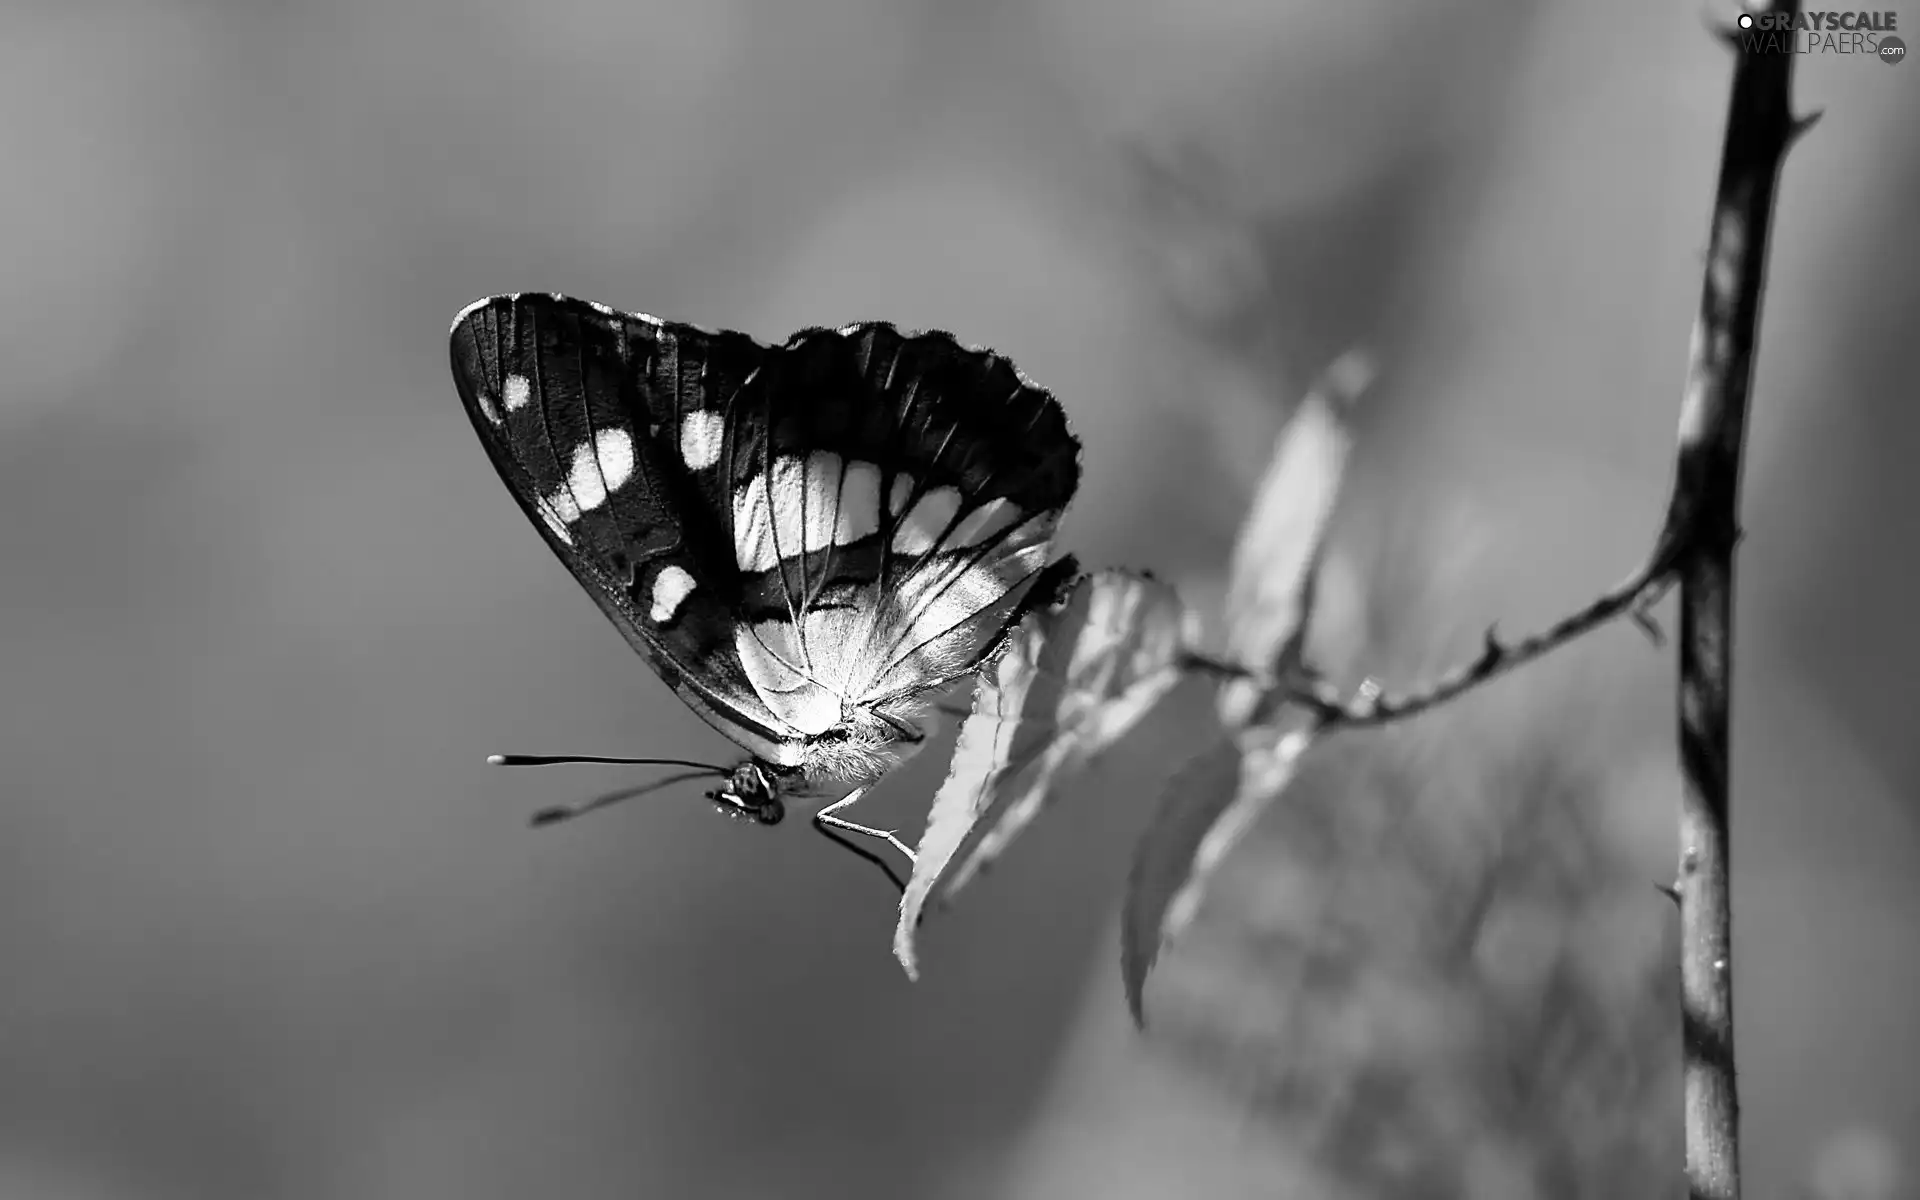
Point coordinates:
pixel 1269 590
pixel 1206 809
pixel 1072 680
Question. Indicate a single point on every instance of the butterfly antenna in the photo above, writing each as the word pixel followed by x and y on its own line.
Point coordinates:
pixel 567 812
pixel 548 760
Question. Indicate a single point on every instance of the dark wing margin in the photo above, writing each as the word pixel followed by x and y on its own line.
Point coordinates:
pixel 923 404
pixel 973 422
pixel 585 413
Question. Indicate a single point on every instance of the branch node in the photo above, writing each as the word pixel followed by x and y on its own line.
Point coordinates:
pixel 1491 652
pixel 1797 128
pixel 1648 625
pixel 1324 702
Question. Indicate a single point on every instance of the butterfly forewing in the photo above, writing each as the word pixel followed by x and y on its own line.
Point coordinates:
pixel 788 534
pixel 582 410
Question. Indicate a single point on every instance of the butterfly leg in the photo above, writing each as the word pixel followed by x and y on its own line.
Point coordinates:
pixel 912 735
pixel 833 827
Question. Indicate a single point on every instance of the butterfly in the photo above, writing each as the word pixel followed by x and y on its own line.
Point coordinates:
pixel 808 543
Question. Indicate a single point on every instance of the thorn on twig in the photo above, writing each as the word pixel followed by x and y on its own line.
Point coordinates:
pixel 1364 705
pixel 1799 126
pixel 1669 891
pixel 1649 625
pixel 1492 651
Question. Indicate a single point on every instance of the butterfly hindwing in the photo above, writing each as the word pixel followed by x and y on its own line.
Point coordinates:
pixel 892 494
pixel 782 532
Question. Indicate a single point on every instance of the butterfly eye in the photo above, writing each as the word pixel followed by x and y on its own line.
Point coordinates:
pixel 731 803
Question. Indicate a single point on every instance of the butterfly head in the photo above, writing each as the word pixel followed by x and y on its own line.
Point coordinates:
pixel 751 793
pixel 855 752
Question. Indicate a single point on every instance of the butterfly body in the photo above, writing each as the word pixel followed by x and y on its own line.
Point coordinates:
pixel 807 542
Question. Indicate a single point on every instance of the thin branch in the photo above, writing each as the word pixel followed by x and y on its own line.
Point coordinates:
pixel 1371 706
pixel 1635 597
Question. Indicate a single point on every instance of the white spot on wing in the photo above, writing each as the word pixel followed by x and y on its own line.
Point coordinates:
pixel 671 587
pixel 809 507
pixel 859 504
pixel 487 405
pixel 700 436
pixel 986 522
pixel 897 499
pixel 614 449
pixel 789 491
pixel 822 501
pixel 597 467
pixel 518 392
pixel 753 527
pixel 926 521
pixel 583 479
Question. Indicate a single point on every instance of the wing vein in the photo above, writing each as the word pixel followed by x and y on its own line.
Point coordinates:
pixel 591 447
pixel 832 532
pixel 773 529
pixel 539 388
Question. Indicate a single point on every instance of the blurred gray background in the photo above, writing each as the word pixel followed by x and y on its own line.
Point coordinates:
pixel 269 927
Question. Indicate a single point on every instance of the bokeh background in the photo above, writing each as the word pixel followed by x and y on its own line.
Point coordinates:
pixel 270 927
